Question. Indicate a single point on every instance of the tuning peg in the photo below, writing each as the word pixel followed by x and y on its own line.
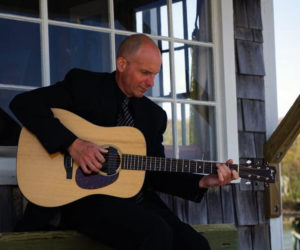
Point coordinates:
pixel 249 162
pixel 248 182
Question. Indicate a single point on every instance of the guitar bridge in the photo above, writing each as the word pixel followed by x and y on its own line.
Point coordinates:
pixel 68 163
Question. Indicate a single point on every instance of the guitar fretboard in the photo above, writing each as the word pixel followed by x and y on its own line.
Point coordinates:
pixel 139 162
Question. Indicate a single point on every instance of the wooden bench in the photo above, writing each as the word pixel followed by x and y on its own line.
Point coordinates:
pixel 220 236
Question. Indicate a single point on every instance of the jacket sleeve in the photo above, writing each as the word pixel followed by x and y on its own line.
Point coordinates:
pixel 182 185
pixel 33 109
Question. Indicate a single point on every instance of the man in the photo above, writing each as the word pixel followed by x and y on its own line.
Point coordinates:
pixel 141 222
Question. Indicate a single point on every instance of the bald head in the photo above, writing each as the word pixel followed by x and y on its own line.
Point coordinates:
pixel 133 43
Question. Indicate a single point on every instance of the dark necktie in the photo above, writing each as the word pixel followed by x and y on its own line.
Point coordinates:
pixel 124 117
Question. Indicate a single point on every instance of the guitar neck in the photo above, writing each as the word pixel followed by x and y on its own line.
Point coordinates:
pixel 161 164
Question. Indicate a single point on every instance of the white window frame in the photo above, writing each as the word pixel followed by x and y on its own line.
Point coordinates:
pixel 223 68
pixel 267 12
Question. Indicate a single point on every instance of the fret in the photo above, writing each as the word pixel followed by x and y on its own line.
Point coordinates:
pixel 198 167
pixel 126 161
pixel 211 167
pixel 128 158
pixel 159 164
pixel 146 163
pixel 178 166
pixel 189 166
pixel 150 162
pixel 170 166
pixel 137 164
pixel 123 161
pixel 184 167
pixel 141 162
pixel 165 164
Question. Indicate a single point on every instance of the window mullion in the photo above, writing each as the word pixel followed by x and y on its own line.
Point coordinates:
pixel 45 43
pixel 112 35
pixel 173 83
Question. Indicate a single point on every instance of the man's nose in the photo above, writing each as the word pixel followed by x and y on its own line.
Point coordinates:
pixel 150 81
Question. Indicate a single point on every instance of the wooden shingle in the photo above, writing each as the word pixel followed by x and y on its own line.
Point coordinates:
pixel 245 238
pixel 260 196
pixel 254 115
pixel 250 58
pixel 250 87
pixel 240 13
pixel 260 241
pixel 246 207
pixel 214 205
pixel 243 34
pixel 197 212
pixel 246 145
pixel 259 140
pixel 227 204
pixel 240 115
pixel 254 14
pixel 257 36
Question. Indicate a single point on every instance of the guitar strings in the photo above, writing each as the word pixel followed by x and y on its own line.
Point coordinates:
pixel 147 162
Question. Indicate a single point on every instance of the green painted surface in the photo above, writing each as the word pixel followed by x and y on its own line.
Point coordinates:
pixel 220 236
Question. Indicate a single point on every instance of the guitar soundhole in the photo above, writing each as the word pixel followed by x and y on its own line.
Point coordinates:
pixel 112 161
pixel 107 175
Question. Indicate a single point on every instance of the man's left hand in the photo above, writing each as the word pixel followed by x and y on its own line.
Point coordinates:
pixel 224 176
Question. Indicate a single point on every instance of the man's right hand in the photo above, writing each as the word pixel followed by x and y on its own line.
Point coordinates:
pixel 88 155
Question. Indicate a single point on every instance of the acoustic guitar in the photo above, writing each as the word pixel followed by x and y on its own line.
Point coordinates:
pixel 54 179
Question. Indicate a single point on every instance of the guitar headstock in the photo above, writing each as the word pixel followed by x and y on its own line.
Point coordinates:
pixel 259 171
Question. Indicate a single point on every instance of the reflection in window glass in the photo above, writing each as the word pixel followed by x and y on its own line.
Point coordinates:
pixel 150 18
pixel 75 48
pixel 5 98
pixel 193 72
pixel 192 19
pixel 24 8
pixel 20 61
pixel 86 12
pixel 162 85
pixel 9 127
pixel 196 132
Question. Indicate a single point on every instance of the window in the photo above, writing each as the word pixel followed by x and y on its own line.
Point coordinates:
pixel 42 40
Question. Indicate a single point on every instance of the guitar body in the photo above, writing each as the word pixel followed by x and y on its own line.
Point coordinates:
pixel 42 176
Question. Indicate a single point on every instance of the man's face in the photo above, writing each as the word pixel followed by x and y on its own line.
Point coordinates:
pixel 137 71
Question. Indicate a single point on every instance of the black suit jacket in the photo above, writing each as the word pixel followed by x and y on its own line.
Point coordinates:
pixel 93 96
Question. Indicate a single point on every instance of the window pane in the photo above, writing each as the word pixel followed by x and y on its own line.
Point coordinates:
pixel 168 135
pixel 75 48
pixel 20 60
pixel 150 17
pixel 9 127
pixel 196 132
pixel 5 97
pixel 194 72
pixel 24 8
pixel 93 13
pixel 192 19
pixel 162 84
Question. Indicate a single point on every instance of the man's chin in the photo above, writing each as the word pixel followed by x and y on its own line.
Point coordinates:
pixel 139 94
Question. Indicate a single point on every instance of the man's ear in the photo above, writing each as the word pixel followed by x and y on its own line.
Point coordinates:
pixel 121 63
